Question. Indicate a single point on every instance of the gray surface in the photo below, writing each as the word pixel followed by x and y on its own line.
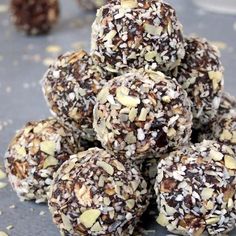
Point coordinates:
pixel 21 100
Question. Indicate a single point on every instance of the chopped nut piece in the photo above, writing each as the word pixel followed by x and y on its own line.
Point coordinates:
pixel 48 147
pixel 215 155
pixel 152 29
pixel 207 193
pixel 20 150
pixel 102 95
pixel 130 203
pixel 129 4
pixel 149 56
pixel 108 168
pixel 66 222
pixel 143 114
pixel 216 77
pixel 230 162
pixel 126 100
pixel 110 35
pixel 213 220
pixel 162 220
pixel 230 204
pixel 89 217
pixel 133 114
pixel 96 227
pixel 166 99
pixel 50 161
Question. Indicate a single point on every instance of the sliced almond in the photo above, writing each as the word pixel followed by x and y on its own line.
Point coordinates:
pixel 110 35
pixel 126 100
pixel 48 147
pixel 230 204
pixel 129 4
pixel 119 165
pixel 215 155
pixel 89 217
pixel 20 150
pixel 130 203
pixel 166 99
pixel 216 77
pixel 162 220
pixel 212 220
pixel 102 95
pixel 50 161
pixel 149 56
pixel 171 132
pixel 207 193
pixel 143 114
pixel 96 227
pixel 66 222
pixel 230 162
pixel 105 166
pixel 152 29
pixel 225 135
pixel 133 114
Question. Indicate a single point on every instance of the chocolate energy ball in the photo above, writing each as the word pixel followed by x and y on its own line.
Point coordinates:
pixel 91 5
pixel 195 189
pixel 137 34
pixel 140 113
pixel 34 154
pixel 224 122
pixel 201 75
pixel 34 16
pixel 96 193
pixel 70 87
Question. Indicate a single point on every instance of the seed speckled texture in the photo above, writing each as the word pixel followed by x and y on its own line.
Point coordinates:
pixel 137 34
pixel 70 87
pixel 195 189
pixel 95 193
pixel 34 16
pixel 140 113
pixel 201 75
pixel 34 154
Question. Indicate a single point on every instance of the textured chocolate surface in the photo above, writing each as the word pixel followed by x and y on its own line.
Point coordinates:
pixel 137 34
pixel 195 189
pixel 140 113
pixel 95 193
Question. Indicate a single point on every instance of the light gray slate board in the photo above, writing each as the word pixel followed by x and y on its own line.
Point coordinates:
pixel 21 98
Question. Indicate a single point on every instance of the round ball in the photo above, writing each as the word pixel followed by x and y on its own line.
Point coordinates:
pixel 34 16
pixel 195 189
pixel 70 87
pixel 95 193
pixel 137 34
pixel 91 5
pixel 33 156
pixel 142 112
pixel 201 75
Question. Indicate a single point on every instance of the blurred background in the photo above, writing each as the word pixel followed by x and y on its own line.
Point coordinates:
pixel 24 60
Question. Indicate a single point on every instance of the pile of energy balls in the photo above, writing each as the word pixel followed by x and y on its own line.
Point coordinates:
pixel 143 117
